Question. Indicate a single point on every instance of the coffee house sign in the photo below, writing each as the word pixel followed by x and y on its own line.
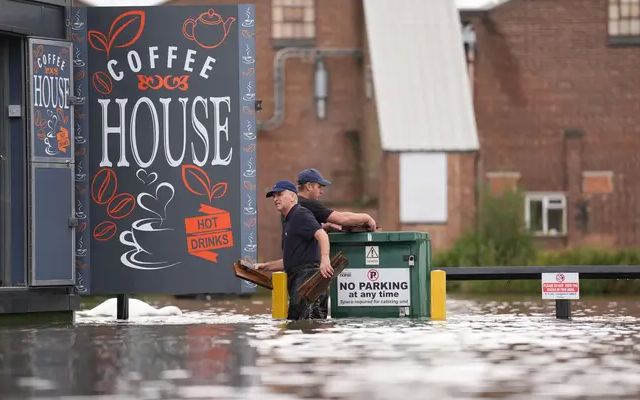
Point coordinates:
pixel 165 147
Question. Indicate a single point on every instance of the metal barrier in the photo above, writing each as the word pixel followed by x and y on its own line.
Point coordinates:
pixel 533 272
pixel 563 307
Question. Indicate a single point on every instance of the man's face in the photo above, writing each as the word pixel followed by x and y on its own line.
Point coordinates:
pixel 315 190
pixel 284 201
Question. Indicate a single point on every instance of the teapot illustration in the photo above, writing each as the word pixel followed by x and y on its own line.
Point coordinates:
pixel 208 30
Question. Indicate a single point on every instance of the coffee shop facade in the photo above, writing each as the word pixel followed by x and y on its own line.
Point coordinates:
pixel 127 165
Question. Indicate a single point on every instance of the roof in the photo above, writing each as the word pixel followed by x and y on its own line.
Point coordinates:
pixel 478 5
pixel 422 91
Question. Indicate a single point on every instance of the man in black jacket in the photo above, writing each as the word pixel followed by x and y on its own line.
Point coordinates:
pixel 305 249
pixel 311 186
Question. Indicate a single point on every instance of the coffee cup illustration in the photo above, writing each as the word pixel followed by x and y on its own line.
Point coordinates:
pixel 80 214
pixel 208 30
pixel 248 59
pixel 251 246
pixel 248 22
pixel 249 135
pixel 76 26
pixel 149 237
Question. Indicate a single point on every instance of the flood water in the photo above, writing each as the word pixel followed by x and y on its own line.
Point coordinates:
pixel 232 349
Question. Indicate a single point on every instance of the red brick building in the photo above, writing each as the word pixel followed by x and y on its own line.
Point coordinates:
pixel 337 127
pixel 557 101
pixel 554 87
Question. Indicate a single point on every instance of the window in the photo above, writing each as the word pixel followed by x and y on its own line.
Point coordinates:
pixel 624 21
pixel 423 187
pixel 293 21
pixel 546 214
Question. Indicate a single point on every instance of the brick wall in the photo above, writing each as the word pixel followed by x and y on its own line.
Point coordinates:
pixel 544 67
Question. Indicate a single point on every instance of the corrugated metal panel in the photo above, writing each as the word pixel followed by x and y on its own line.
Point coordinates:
pixel 421 85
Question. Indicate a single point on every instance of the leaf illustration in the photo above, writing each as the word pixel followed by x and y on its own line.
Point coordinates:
pixel 124 20
pixel 196 180
pixel 98 40
pixel 218 190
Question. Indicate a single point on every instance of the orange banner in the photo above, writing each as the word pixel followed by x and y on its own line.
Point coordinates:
pixel 214 220
pixel 208 232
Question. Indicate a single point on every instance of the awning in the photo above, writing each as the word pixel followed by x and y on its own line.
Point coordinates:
pixel 422 91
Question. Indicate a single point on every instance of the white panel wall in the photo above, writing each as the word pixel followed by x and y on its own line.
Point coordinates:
pixel 423 187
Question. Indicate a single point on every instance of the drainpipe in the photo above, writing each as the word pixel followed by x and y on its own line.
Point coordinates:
pixel 279 62
pixel 469 39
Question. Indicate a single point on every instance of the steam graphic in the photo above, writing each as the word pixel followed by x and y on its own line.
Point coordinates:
pixel 249 209
pixel 80 214
pixel 52 126
pixel 251 246
pixel 248 133
pixel 248 58
pixel 77 60
pixel 250 172
pixel 250 95
pixel 80 175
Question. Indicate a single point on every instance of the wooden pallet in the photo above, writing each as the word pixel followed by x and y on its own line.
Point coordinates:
pixel 244 270
pixel 316 285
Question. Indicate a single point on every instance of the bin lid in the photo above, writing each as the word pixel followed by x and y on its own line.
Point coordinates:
pixel 368 237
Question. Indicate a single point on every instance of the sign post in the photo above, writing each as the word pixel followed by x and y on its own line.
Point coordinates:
pixel 561 287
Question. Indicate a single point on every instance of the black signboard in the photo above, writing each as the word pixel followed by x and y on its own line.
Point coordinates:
pixel 50 72
pixel 172 147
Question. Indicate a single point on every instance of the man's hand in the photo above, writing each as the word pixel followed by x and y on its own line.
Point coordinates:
pixel 371 224
pixel 326 270
pixel 260 266
pixel 329 227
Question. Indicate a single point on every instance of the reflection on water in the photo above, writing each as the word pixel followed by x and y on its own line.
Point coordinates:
pixel 232 349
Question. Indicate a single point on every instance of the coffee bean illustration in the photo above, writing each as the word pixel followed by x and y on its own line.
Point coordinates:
pixel 104 231
pixel 104 186
pixel 102 82
pixel 121 206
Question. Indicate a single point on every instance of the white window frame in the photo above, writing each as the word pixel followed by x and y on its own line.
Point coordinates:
pixel 550 201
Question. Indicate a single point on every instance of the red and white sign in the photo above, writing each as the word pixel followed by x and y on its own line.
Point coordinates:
pixel 560 285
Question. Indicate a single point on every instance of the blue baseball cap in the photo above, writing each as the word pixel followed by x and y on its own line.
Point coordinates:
pixel 281 186
pixel 312 175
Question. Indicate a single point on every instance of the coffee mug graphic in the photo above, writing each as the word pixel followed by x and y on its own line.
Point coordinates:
pixel 148 242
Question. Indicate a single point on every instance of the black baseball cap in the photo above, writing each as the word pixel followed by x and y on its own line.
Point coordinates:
pixel 312 175
pixel 281 186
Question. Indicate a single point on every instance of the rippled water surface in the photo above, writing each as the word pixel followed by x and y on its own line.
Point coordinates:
pixel 232 349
